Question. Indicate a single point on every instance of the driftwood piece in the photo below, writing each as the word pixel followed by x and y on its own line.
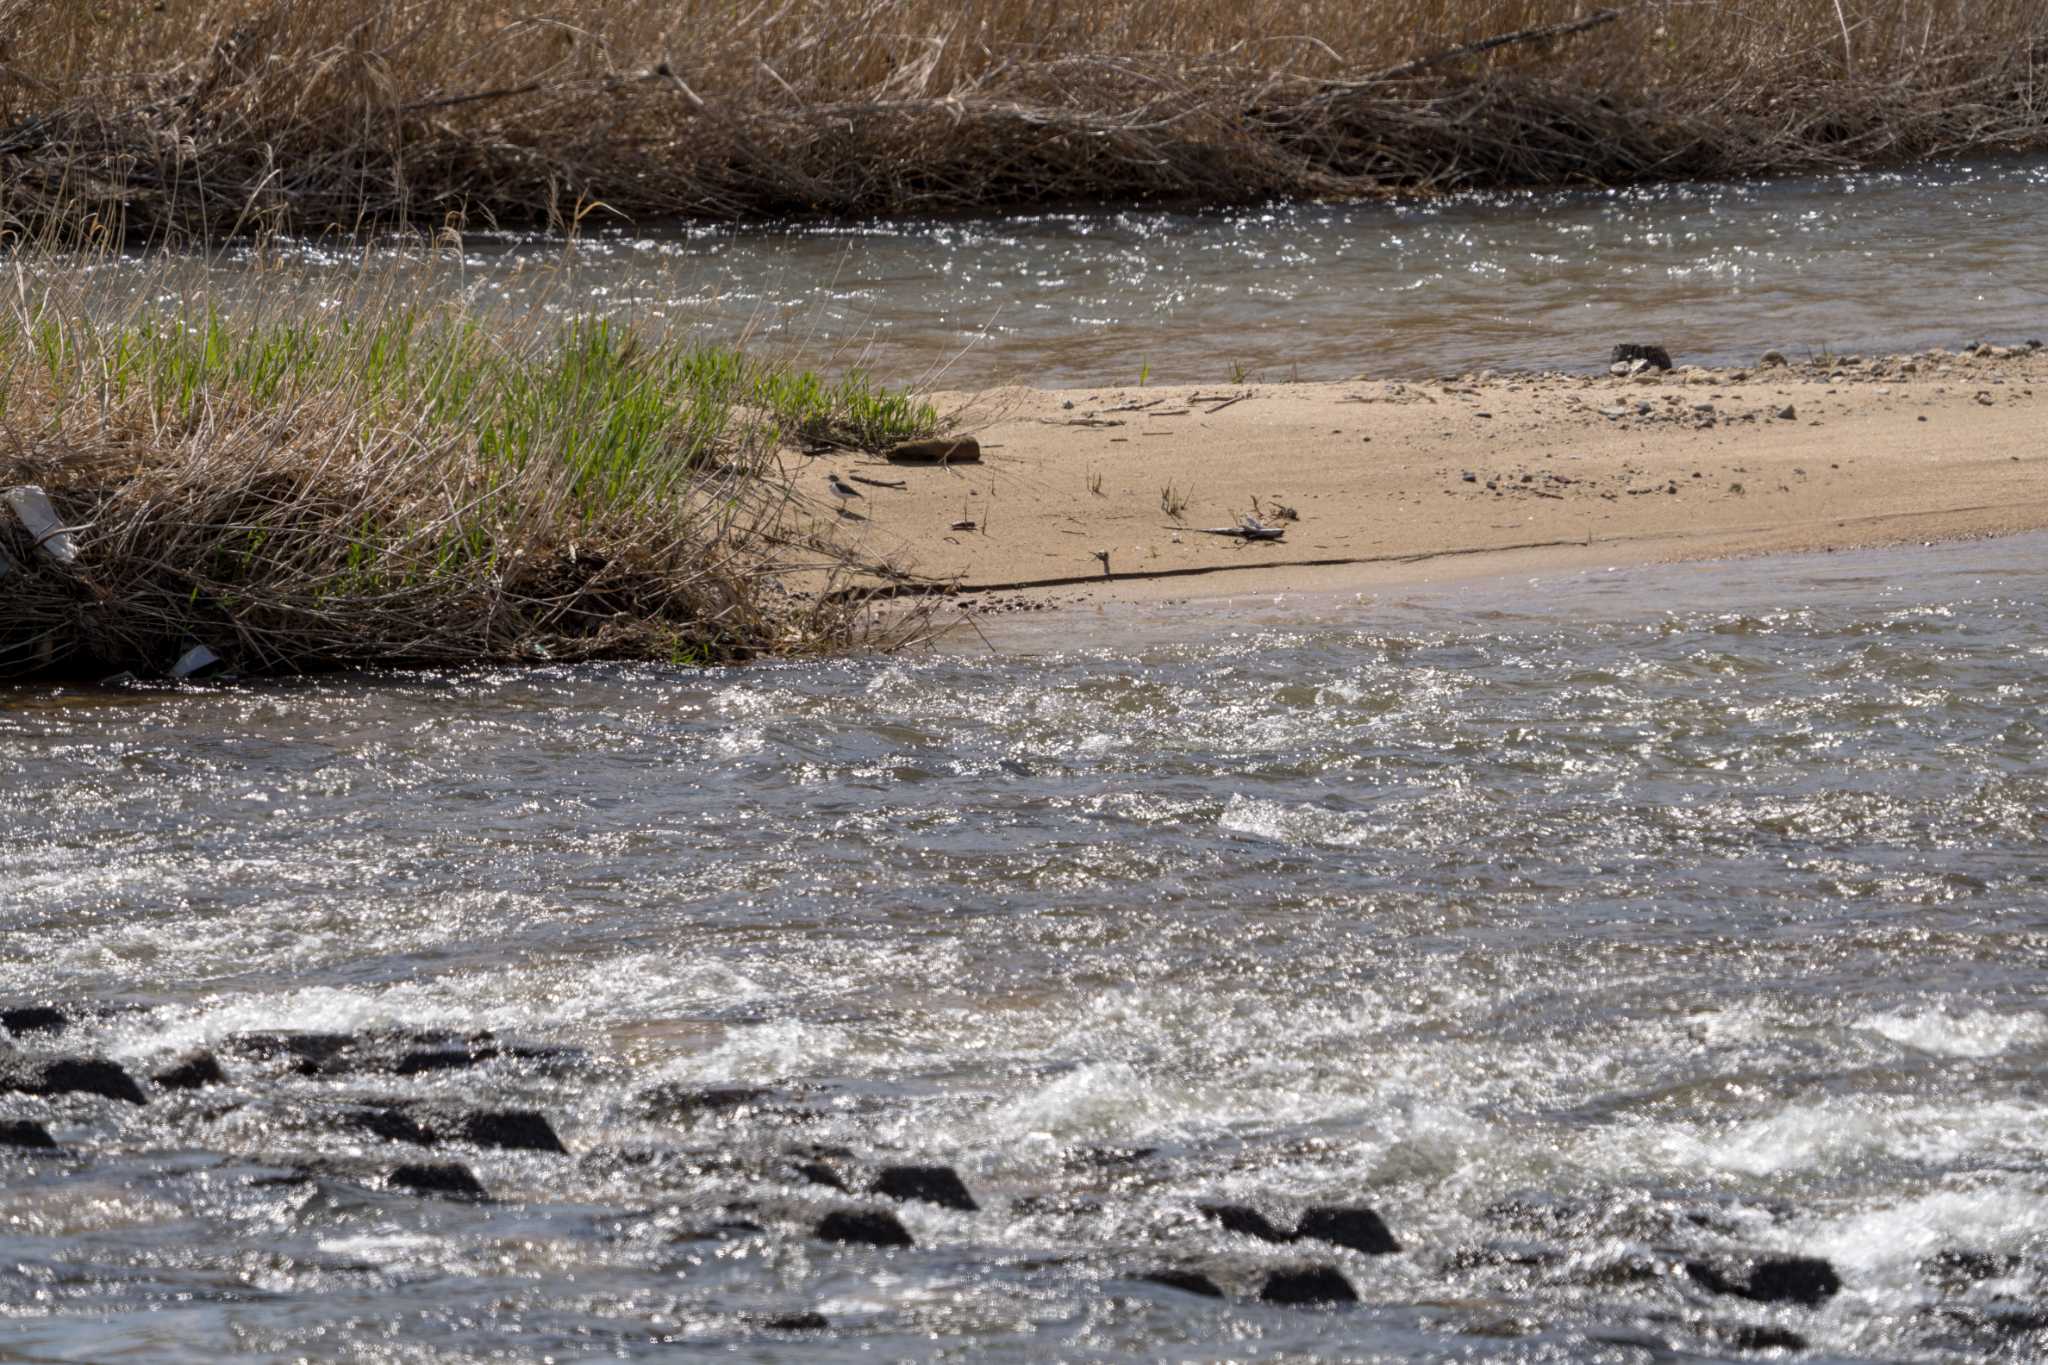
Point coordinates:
pixel 938 450
pixel 879 483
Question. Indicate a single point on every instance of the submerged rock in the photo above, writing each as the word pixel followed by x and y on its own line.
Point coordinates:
pixel 443 1178
pixel 1244 1219
pixel 1748 1338
pixel 392 1125
pixel 864 1227
pixel 939 1185
pixel 26 1134
pixel 796 1322
pixel 1805 1280
pixel 20 1019
pixel 1187 1281
pixel 192 1072
pixel 1355 1226
pixel 818 1173
pixel 1307 1285
pixel 81 1076
pixel 519 1130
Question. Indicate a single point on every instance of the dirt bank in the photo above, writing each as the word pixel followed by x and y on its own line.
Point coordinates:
pixel 1376 481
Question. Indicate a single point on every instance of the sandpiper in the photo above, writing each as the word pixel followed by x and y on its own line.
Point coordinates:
pixel 843 491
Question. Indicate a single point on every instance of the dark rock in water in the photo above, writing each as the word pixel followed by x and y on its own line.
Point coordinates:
pixel 519 1130
pixel 192 1072
pixel 1764 1339
pixel 939 1185
pixel 1356 1227
pixel 864 1227
pixel 90 1076
pixel 447 1178
pixel 393 1126
pixel 26 1134
pixel 1650 355
pixel 796 1322
pixel 421 1060
pixel 34 1019
pixel 940 450
pixel 818 1173
pixel 1187 1281
pixel 1956 1266
pixel 1242 1218
pixel 1805 1280
pixel 1307 1285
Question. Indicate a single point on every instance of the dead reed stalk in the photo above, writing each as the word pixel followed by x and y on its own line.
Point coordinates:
pixel 198 119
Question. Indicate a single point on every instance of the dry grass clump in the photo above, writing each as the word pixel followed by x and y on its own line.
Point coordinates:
pixel 199 118
pixel 397 485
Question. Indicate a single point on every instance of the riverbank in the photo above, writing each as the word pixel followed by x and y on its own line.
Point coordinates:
pixel 208 119
pixel 1376 482
pixel 407 484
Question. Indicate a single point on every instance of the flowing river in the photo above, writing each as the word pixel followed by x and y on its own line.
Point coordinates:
pixel 1630 942
pixel 1717 273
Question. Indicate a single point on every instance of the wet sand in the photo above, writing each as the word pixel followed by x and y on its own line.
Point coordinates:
pixel 1378 481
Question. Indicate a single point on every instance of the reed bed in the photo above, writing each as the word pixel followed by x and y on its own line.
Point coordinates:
pixel 195 119
pixel 395 483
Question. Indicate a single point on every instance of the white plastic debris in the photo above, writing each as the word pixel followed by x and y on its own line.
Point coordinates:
pixel 32 509
pixel 194 660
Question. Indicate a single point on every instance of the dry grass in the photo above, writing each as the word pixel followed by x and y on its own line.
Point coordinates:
pixel 200 118
pixel 408 485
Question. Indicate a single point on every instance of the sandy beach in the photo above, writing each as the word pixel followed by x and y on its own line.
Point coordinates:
pixel 1377 481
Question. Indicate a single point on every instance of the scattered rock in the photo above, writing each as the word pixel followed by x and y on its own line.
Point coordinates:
pixel 938 450
pixel 1356 1227
pixel 1770 359
pixel 796 1322
pixel 34 1019
pixel 1788 413
pixel 443 1178
pixel 81 1076
pixel 939 1185
pixel 1305 1285
pixel 195 1071
pixel 1805 1280
pixel 26 1134
pixel 1248 1221
pixel 1187 1281
pixel 393 1126
pixel 818 1173
pixel 864 1227
pixel 1748 1338
pixel 513 1130
pixel 422 1060
pixel 1649 355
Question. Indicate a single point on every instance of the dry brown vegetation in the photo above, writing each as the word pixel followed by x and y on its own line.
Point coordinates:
pixel 191 119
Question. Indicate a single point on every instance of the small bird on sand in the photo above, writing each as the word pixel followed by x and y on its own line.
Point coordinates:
pixel 843 491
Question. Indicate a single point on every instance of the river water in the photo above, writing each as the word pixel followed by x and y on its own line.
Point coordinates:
pixel 1585 929
pixel 1717 273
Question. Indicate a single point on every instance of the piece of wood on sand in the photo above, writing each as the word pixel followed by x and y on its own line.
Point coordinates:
pixel 936 450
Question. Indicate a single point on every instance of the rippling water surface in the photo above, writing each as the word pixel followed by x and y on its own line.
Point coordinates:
pixel 1584 931
pixel 1718 273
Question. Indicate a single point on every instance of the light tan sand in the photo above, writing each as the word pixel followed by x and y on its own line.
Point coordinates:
pixel 1400 481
